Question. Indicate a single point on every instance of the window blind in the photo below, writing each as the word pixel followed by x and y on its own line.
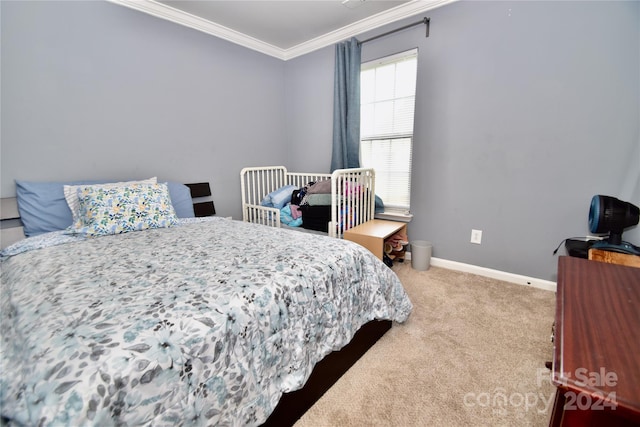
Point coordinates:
pixel 388 88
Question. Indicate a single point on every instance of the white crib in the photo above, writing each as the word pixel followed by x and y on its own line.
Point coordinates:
pixel 352 195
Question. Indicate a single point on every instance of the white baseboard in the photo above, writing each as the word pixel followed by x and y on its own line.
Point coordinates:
pixel 491 273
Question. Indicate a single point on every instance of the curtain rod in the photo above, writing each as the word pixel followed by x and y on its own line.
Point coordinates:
pixel 425 21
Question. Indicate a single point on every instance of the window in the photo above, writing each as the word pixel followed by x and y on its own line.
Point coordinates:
pixel 387 104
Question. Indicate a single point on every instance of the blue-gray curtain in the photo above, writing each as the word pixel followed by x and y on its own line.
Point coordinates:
pixel 346 106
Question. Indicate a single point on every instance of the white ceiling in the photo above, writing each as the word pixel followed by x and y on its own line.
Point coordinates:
pixel 283 29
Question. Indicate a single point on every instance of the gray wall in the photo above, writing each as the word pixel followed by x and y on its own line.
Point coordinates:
pixel 94 89
pixel 524 111
pixel 309 95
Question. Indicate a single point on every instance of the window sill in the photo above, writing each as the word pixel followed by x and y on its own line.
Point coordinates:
pixel 394 216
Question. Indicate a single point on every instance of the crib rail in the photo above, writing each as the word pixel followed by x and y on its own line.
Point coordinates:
pixel 262 215
pixel 301 179
pixel 352 199
pixel 258 182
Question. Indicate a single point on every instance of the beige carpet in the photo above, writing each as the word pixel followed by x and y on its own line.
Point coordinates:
pixel 471 354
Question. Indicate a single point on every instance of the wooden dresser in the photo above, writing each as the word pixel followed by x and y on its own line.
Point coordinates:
pixel 596 363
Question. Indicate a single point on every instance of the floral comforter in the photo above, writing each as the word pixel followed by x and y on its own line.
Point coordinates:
pixel 205 323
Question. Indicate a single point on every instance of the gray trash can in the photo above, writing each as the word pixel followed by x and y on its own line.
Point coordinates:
pixel 420 255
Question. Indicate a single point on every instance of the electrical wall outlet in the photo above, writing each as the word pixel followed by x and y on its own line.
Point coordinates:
pixel 476 236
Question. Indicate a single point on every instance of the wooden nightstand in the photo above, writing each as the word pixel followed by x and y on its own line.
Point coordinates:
pixel 372 234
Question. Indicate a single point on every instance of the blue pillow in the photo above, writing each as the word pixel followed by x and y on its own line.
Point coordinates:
pixel 278 198
pixel 181 200
pixel 43 208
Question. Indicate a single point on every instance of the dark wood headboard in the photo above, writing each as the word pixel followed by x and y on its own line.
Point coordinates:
pixel 198 191
pixel 11 229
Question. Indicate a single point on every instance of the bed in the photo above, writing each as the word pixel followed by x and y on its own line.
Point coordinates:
pixel 349 199
pixel 193 321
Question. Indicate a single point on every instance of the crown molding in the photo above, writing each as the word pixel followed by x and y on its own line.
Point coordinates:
pixel 177 16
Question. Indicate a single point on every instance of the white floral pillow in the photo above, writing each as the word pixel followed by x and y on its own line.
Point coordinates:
pixel 71 193
pixel 115 210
